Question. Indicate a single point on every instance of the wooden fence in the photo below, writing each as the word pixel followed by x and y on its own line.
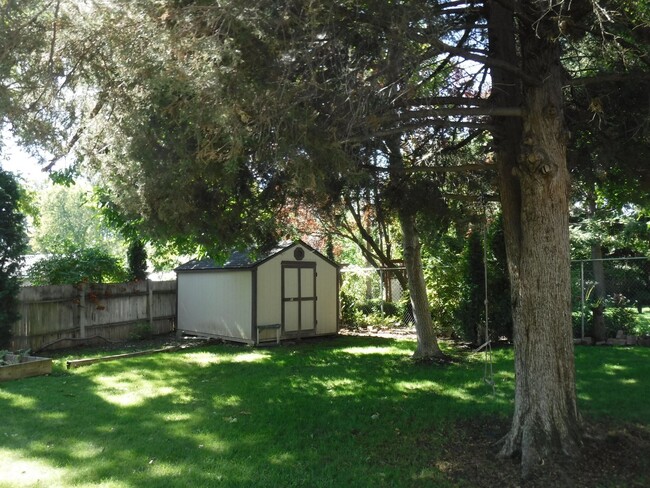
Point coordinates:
pixel 57 316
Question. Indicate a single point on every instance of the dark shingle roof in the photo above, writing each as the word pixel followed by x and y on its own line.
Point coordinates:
pixel 238 259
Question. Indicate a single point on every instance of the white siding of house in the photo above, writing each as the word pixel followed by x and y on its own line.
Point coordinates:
pixel 216 303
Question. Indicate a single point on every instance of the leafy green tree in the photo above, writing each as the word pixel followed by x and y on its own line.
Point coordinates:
pixel 13 243
pixel 37 75
pixel 90 265
pixel 69 220
pixel 212 114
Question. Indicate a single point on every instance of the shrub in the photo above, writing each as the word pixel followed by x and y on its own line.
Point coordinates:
pixel 90 265
pixel 13 242
pixel 348 309
pixel 141 331
pixel 619 315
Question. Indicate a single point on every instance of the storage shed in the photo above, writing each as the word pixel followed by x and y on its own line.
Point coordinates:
pixel 292 292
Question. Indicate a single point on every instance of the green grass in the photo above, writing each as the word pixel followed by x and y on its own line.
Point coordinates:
pixel 349 411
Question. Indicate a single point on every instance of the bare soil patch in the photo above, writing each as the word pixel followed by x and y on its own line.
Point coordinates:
pixel 612 456
pixel 105 347
pixel 387 332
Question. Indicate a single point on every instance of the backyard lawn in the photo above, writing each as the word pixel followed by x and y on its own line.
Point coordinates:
pixel 341 412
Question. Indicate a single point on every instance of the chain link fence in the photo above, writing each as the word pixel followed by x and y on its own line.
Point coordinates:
pixel 619 288
pixel 615 291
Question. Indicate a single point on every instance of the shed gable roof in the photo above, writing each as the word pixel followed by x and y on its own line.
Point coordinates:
pixel 243 260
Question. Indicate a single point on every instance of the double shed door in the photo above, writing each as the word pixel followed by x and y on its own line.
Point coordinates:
pixel 298 297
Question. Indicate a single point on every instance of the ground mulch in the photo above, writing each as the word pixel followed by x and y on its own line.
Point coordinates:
pixel 612 456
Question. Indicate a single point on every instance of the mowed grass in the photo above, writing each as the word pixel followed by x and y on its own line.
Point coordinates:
pixel 347 411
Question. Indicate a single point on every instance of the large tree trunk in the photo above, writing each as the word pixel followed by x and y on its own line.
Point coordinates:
pixel 427 345
pixel 534 186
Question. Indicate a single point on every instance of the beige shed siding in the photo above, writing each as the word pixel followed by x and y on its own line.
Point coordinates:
pixel 216 303
pixel 269 292
pixel 327 304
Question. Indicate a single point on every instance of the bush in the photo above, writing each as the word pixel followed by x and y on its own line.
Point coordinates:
pixel 141 331
pixel 348 309
pixel 371 312
pixel 90 265
pixel 619 315
pixel 13 242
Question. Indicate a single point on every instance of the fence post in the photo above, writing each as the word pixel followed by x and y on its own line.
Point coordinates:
pixel 150 303
pixel 82 311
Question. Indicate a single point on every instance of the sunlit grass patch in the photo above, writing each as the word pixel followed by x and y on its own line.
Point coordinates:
pixel 19 470
pixel 17 400
pixel 381 350
pixel 342 412
pixel 130 389
pixel 421 385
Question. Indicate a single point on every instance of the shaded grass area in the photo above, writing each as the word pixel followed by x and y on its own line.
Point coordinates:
pixel 347 411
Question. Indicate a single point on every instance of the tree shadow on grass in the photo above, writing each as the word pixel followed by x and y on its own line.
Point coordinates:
pixel 342 412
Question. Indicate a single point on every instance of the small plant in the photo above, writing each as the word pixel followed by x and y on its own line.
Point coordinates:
pixel 642 327
pixel 141 331
pixel 619 315
pixel 7 358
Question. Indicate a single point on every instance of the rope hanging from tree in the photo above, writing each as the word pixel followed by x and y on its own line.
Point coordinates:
pixel 488 370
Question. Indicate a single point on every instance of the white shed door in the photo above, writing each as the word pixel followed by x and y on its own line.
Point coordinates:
pixel 298 296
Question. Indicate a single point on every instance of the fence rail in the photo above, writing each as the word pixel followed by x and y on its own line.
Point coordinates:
pixel 51 314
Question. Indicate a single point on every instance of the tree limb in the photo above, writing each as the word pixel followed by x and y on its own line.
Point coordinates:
pixel 485 60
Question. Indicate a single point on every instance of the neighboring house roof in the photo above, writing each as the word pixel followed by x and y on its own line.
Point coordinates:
pixel 243 259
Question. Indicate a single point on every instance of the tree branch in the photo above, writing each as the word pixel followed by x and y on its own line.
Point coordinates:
pixel 461 168
pixel 461 112
pixel 608 78
pixel 436 123
pixel 485 60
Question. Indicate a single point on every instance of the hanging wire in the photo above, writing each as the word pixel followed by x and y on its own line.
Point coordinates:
pixel 488 370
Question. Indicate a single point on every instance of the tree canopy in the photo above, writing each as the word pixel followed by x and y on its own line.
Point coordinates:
pixel 205 118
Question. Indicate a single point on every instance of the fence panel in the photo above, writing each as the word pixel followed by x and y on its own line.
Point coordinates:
pixel 163 306
pixel 47 313
pixel 51 314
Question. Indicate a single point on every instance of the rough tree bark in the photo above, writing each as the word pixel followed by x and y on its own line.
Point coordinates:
pixel 427 345
pixel 534 186
pixel 427 342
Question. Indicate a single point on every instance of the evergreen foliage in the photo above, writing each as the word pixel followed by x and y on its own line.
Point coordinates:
pixel 471 314
pixel 137 260
pixel 500 308
pixel 13 243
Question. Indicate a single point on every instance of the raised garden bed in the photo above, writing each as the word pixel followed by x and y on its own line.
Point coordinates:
pixel 16 366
